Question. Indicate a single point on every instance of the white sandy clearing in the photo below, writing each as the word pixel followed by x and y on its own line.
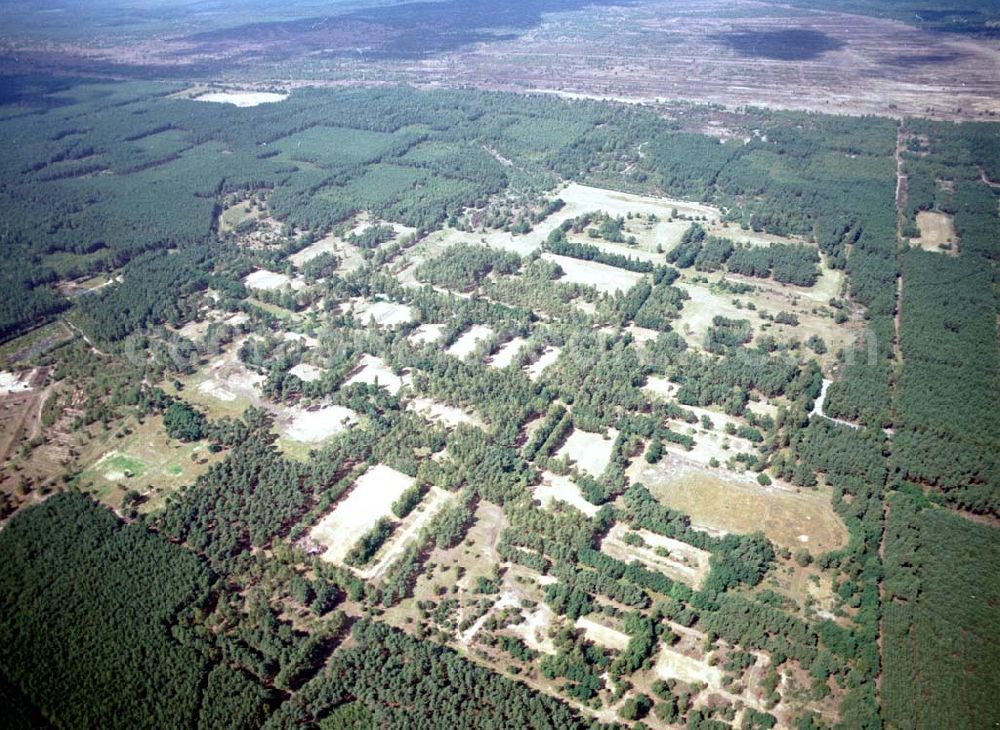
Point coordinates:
pixel 228 379
pixel 370 500
pixel 269 281
pixel 242 98
pixel 642 334
pixel 329 244
pixel 685 563
pixel 317 425
pixel 671 664
pixel 602 635
pixel 660 387
pixel 426 333
pixel 548 357
pixel 557 488
pixel 15 382
pixel 590 273
pixel 466 344
pixel 406 533
pixel 506 600
pixel 373 371
pixel 350 256
pixel 935 229
pixel 534 630
pixel 698 312
pixel 306 340
pixel 194 330
pixel 385 314
pixel 446 415
pixel 306 373
pixel 506 354
pixel 590 451
pixel 615 203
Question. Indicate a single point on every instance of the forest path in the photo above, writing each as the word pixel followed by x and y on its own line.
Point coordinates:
pixel 901 195
pixel 817 409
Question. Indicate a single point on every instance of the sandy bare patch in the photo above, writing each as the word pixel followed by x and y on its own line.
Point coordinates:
pixel 721 502
pixel 370 500
pixel 589 273
pixel 270 281
pixel 313 426
pixel 228 379
pixel 557 488
pixel 936 229
pixel 385 314
pixel 427 333
pixel 15 382
pixel 660 387
pixel 590 451
pixel 534 630
pixel 612 202
pixel 373 371
pixel 406 533
pixel 242 98
pixel 466 344
pixel 671 664
pixel 507 352
pixel 681 562
pixel 698 312
pixel 602 635
pixel 306 373
pixel 446 415
pixel 350 256
pixel 307 341
pixel 194 330
pixel 642 334
pixel 548 357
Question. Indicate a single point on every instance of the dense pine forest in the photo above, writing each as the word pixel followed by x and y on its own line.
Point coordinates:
pixel 378 407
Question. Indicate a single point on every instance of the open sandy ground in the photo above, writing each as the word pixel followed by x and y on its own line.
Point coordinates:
pixel 504 357
pixel 350 256
pixel 534 630
pixel 466 344
pixel 228 380
pixel 446 415
pixel 589 273
pixel 313 426
pixel 557 488
pixel 269 281
pixel 427 333
pixel 936 229
pixel 15 382
pixel 385 314
pixel 408 531
pixel 660 388
pixel 672 664
pixel 373 370
pixel 242 98
pixel 791 518
pixel 698 312
pixel 306 373
pixel 590 451
pixel 537 368
pixel 370 500
pixel 602 635
pixel 685 563
pixel 590 199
